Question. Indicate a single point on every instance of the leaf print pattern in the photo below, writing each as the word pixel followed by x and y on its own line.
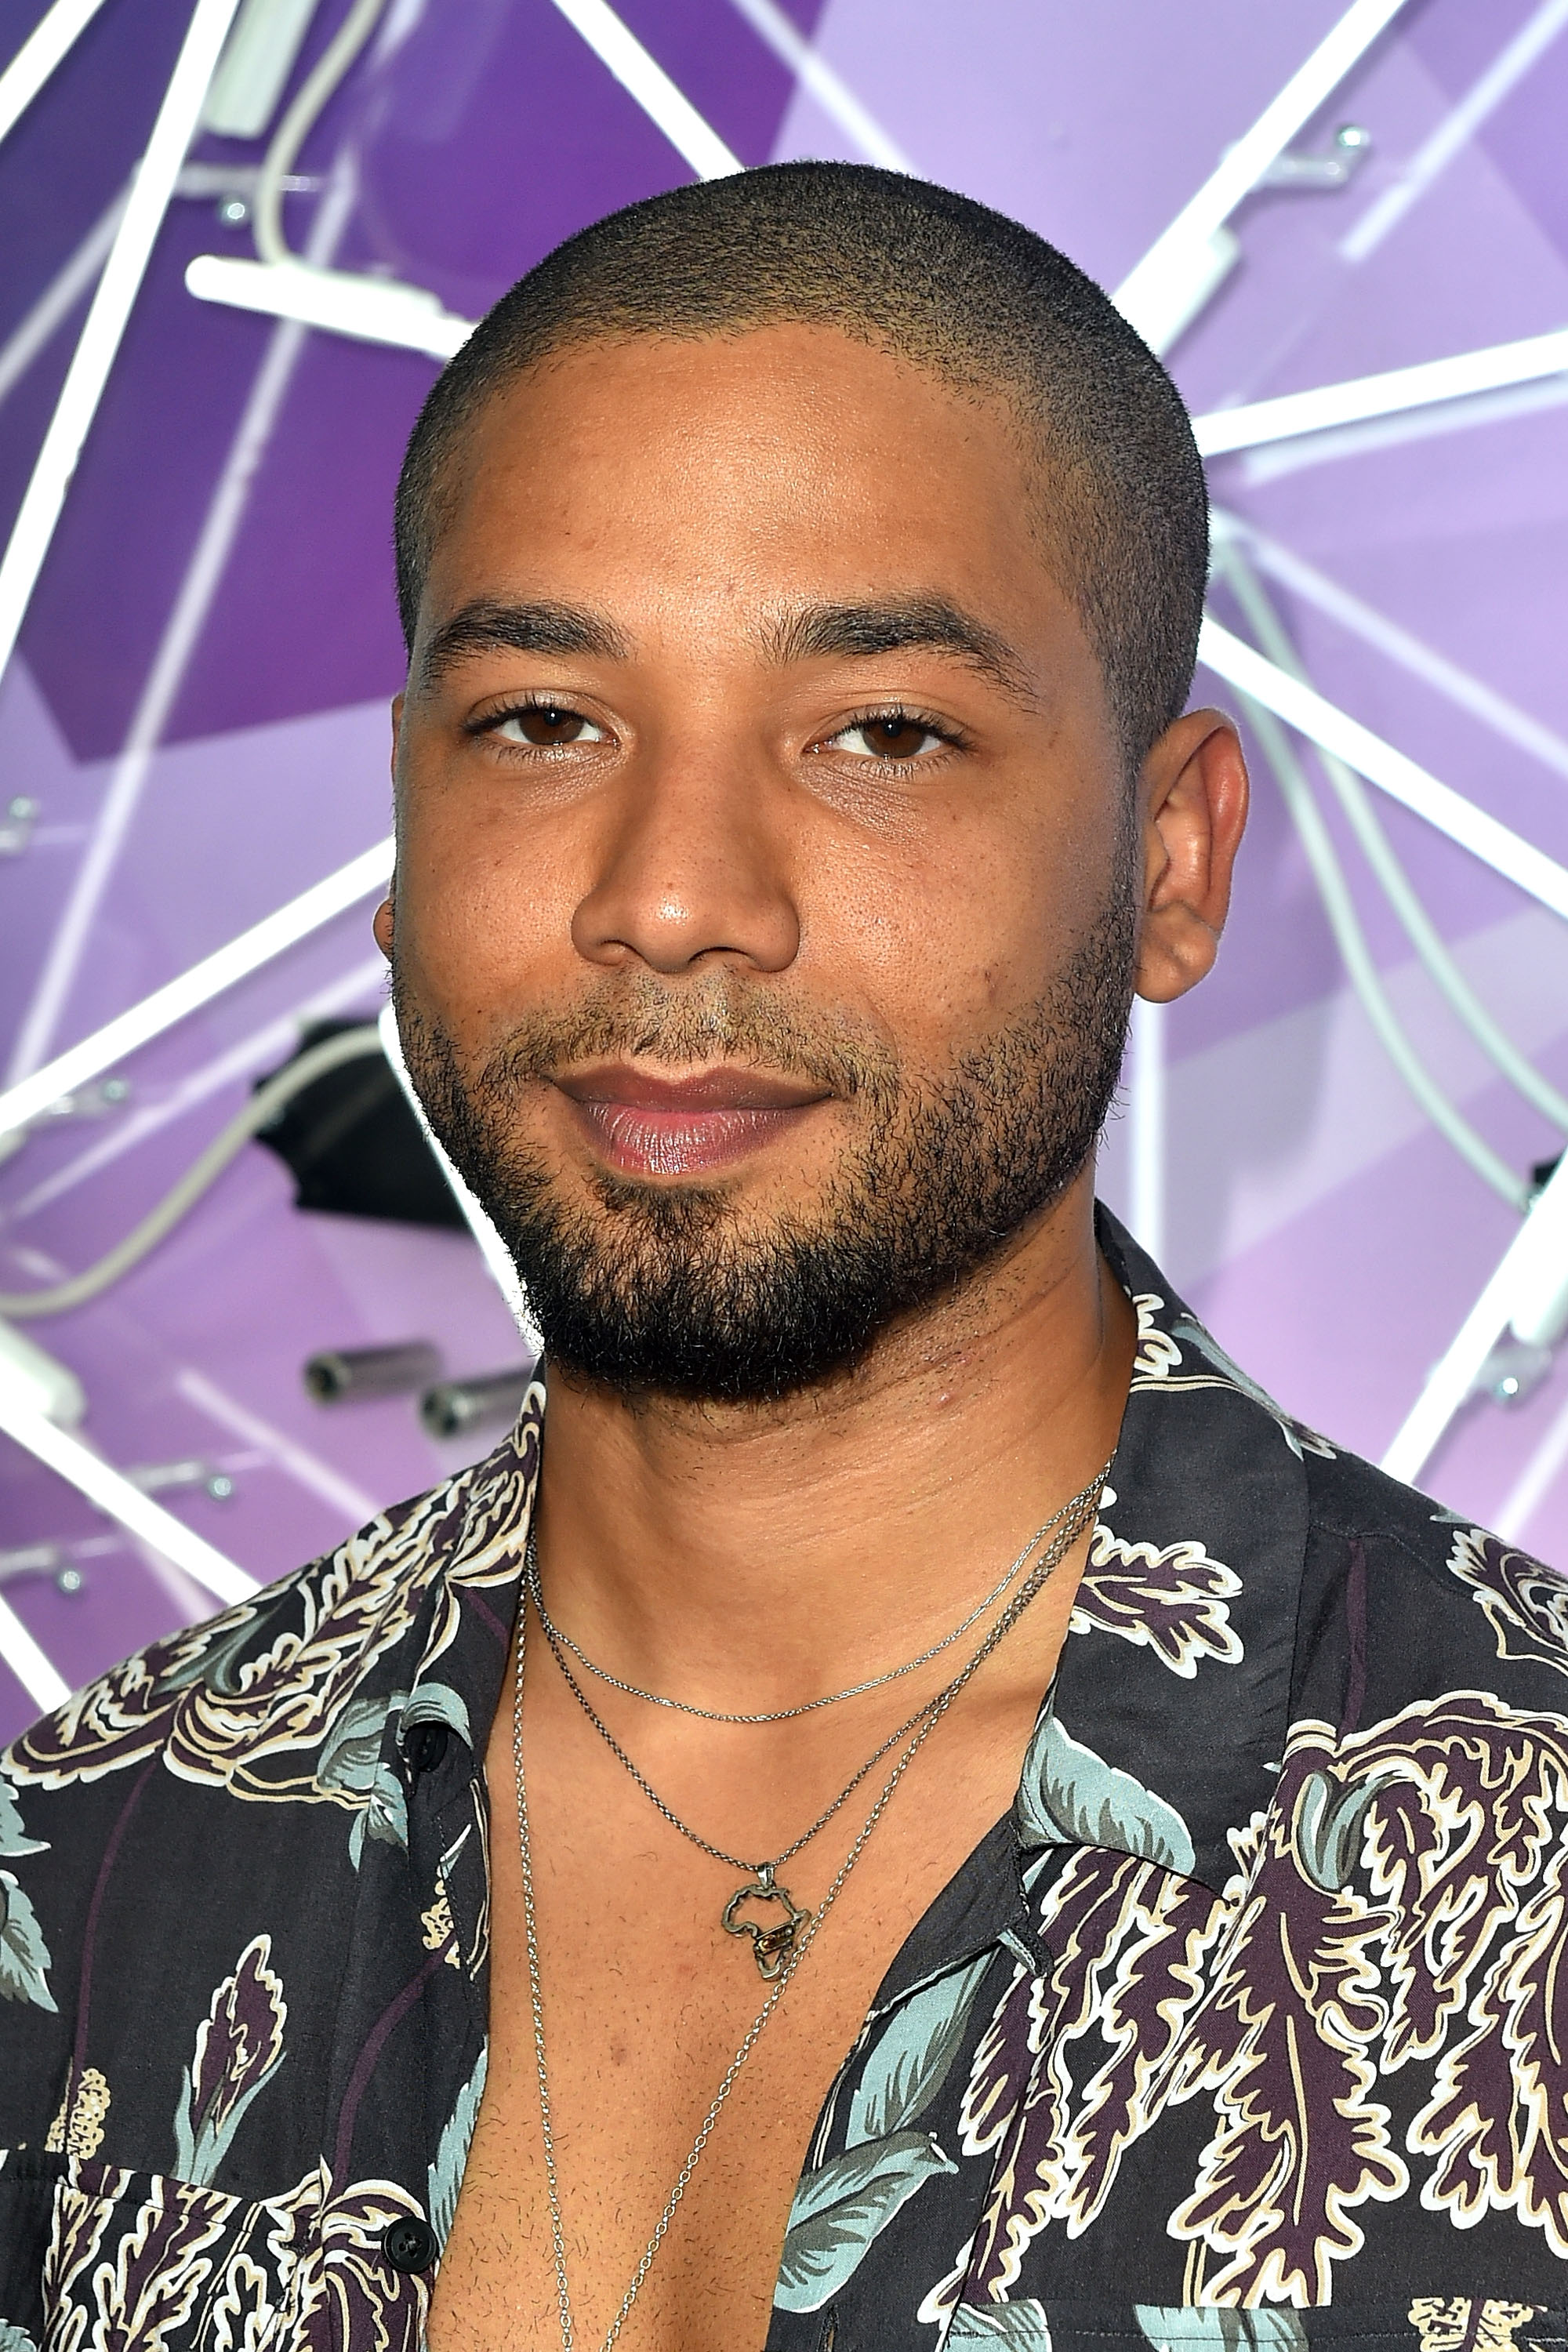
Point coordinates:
pixel 841 2206
pixel 1172 1600
pixel 1389 1909
pixel 13 1840
pixel 239 2048
pixel 1162 1348
pixel 245 1701
pixel 452 2153
pixel 909 2058
pixel 136 2261
pixel 1525 1603
pixel 23 1956
pixel 1069 1796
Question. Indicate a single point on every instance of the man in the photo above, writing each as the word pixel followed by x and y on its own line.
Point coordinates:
pixel 694 1880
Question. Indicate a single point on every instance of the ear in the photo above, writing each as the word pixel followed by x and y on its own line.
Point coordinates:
pixel 381 924
pixel 1195 794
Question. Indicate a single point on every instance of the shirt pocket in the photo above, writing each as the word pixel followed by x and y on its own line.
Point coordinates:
pixel 147 2264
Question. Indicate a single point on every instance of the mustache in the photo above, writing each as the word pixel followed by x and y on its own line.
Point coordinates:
pixel 719 1018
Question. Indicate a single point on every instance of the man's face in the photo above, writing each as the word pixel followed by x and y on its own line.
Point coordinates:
pixel 766 895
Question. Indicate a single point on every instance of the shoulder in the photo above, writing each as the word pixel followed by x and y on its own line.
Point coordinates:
pixel 1431 1602
pixel 283 1699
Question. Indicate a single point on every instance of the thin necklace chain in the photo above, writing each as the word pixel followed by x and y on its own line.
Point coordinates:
pixel 1070 1521
pixel 559 1639
pixel 933 1715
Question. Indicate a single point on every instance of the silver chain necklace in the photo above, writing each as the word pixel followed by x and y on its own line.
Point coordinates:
pixel 559 1639
pixel 799 1947
pixel 773 1944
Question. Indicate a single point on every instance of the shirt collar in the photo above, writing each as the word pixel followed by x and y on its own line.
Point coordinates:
pixel 1177 1673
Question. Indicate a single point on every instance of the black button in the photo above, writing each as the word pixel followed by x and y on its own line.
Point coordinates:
pixel 408 2243
pixel 425 1743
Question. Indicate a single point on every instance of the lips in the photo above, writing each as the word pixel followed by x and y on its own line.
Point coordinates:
pixel 648 1126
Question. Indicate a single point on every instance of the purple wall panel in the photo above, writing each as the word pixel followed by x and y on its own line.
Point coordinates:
pixel 1333 1239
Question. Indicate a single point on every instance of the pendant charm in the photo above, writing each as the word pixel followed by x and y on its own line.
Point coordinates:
pixel 770 1945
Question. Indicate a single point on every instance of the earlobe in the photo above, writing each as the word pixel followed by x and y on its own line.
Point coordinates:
pixel 381 926
pixel 1195 792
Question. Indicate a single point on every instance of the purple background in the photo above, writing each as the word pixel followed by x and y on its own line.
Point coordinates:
pixel 1332 1239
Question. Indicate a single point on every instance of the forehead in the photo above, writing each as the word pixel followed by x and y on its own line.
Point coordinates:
pixel 749 455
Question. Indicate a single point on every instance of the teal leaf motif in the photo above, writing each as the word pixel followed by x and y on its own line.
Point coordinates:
pixel 1203 2328
pixel 438 1703
pixel 24 1955
pixel 1327 1831
pixel 351 1768
pixel 14 2339
pixel 13 1842
pixel 908 2065
pixel 842 2208
pixel 1021 2326
pixel 446 2174
pixel 1069 1796
pixel 385 1817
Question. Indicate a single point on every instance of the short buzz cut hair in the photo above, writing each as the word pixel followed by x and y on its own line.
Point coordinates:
pixel 935 280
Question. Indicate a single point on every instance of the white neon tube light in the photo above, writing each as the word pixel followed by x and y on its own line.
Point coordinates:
pixel 1299 706
pixel 106 320
pixel 1157 295
pixel 28 1663
pixel 196 987
pixel 617 46
pixel 371 310
pixel 1526 1287
pixel 51 38
pixel 1457 127
pixel 137 1513
pixel 820 81
pixel 1297 413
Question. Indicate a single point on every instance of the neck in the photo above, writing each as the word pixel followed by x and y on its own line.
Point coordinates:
pixel 748 1556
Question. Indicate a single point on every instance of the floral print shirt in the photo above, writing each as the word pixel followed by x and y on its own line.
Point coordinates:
pixel 1246 2029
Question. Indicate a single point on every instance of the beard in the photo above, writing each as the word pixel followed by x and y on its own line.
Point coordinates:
pixel 680 1290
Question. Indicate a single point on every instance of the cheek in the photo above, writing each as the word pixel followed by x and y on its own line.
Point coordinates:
pixel 482 918
pixel 941 942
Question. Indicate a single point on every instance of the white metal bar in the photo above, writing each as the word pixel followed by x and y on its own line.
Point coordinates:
pixel 27 1662
pixel 1147 1126
pixel 370 309
pixel 1534 1254
pixel 1328 404
pixel 1145 295
pixel 1299 706
pixel 135 1511
pixel 59 298
pixel 106 320
pixel 196 986
pixel 1457 127
pixel 617 46
pixel 296 1461
pixel 171 663
pixel 54 34
pixel 820 81
pixel 1385 636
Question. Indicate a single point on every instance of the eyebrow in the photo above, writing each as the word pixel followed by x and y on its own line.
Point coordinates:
pixel 929 624
pixel 489 625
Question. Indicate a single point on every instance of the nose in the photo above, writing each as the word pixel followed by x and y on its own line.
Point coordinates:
pixel 690 867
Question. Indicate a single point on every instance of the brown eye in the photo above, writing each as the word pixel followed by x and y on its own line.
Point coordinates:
pixel 893 735
pixel 545 725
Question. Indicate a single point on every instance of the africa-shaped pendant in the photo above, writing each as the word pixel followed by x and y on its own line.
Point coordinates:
pixel 771 1944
